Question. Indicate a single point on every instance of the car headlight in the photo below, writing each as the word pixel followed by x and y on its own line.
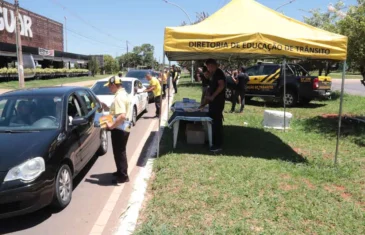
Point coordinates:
pixel 27 171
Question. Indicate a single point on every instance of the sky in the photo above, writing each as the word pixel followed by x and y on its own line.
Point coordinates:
pixel 106 25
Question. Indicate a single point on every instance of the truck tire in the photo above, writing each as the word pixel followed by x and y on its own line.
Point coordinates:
pixel 291 98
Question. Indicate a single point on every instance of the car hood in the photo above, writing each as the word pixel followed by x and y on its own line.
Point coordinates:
pixel 16 148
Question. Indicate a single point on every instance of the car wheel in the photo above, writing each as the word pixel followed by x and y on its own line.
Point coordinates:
pixel 103 148
pixel 229 94
pixel 63 187
pixel 134 116
pixel 290 98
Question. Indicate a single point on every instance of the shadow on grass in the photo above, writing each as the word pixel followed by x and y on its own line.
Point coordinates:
pixel 239 142
pixel 328 125
pixel 262 103
pixel 189 84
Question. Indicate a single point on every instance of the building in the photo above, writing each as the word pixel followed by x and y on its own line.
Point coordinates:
pixel 41 37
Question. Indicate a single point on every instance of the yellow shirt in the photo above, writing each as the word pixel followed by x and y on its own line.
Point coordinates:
pixel 164 78
pixel 156 83
pixel 120 104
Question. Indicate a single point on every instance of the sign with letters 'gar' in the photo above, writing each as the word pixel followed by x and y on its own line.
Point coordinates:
pixel 36 30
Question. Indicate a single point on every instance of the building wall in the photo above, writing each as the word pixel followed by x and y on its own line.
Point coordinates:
pixel 40 33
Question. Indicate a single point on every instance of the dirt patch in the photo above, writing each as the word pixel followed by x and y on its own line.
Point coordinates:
pixel 309 184
pixel 285 176
pixel 346 196
pixel 287 187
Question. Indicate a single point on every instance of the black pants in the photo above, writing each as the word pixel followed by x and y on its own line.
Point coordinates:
pixel 119 143
pixel 164 86
pixel 158 105
pixel 175 85
pixel 217 128
pixel 238 93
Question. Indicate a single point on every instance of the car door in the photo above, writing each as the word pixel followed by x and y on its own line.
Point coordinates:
pixel 91 134
pixel 137 97
pixel 271 77
pixel 74 134
pixel 144 96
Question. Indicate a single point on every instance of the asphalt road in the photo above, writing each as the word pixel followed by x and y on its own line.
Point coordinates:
pixel 92 192
pixel 352 86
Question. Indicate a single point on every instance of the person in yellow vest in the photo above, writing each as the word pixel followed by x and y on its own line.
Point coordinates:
pixel 164 83
pixel 155 87
pixel 120 110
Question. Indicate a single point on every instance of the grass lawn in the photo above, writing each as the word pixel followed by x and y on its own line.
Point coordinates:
pixel 48 82
pixel 265 181
pixel 348 76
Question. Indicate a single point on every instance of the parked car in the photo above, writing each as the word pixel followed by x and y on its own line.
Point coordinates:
pixel 47 136
pixel 267 81
pixel 140 74
pixel 133 86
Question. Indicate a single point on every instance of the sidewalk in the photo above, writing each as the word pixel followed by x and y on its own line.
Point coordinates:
pixel 84 83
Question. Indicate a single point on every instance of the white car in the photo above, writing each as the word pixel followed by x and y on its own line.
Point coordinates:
pixel 134 88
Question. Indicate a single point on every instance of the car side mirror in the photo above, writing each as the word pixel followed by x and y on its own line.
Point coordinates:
pixel 79 121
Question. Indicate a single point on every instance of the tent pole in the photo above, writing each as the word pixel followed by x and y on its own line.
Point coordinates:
pixel 160 116
pixel 284 97
pixel 192 71
pixel 168 91
pixel 340 111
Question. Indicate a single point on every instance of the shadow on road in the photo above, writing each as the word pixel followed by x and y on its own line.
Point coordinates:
pixel 31 220
pixel 104 179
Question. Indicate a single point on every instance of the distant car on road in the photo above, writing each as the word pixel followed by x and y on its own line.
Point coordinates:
pixel 47 136
pixel 133 86
pixel 140 74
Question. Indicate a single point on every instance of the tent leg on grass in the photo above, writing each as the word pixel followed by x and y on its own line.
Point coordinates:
pixel 192 71
pixel 340 111
pixel 159 120
pixel 284 95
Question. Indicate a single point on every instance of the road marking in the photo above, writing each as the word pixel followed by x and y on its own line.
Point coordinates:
pixel 128 220
pixel 105 214
pixel 114 197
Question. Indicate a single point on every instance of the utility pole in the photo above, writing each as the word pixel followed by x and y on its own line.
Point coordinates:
pixel 19 46
pixel 127 46
pixel 65 34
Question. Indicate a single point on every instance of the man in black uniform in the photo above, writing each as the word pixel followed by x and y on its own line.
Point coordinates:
pixel 216 100
pixel 241 81
pixel 175 77
pixel 204 77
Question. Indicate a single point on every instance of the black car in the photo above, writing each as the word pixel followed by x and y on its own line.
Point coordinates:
pixel 140 74
pixel 47 136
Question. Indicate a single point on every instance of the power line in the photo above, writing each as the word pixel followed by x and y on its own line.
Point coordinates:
pixel 104 43
pixel 85 21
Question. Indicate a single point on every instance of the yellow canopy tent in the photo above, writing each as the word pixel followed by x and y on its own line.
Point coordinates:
pixel 247 29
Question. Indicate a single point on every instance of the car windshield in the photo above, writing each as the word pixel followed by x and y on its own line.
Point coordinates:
pixel 100 89
pixel 140 75
pixel 30 113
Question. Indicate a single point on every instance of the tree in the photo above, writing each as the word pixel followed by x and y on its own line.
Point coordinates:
pixel 353 26
pixel 329 21
pixel 146 51
pixel 93 66
pixel 109 64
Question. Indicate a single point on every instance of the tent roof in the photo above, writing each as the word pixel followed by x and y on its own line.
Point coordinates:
pixel 247 29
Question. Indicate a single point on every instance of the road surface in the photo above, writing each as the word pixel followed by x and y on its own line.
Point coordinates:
pixel 92 192
pixel 352 86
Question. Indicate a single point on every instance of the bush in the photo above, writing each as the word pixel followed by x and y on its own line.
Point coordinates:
pixel 7 71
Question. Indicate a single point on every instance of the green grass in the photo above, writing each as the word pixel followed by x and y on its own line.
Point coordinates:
pixel 48 82
pixel 265 181
pixel 338 75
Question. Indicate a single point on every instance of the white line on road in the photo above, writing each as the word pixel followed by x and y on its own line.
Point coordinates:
pixel 105 214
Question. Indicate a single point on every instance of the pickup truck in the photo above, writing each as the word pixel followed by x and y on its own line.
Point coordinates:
pixel 267 81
